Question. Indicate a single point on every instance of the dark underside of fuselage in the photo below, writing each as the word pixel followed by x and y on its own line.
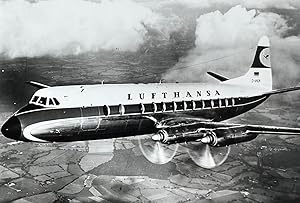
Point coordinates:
pixel 90 123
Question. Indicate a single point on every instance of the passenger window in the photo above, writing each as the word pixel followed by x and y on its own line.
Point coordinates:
pixel 207 104
pixel 43 100
pixel 169 106
pixel 179 105
pixel 56 101
pixel 35 98
pixel 229 102
pixel 189 105
pixel 149 107
pixel 216 103
pixel 223 103
pixel 159 107
pixel 198 104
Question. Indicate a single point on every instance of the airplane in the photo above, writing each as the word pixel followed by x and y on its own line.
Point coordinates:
pixel 162 115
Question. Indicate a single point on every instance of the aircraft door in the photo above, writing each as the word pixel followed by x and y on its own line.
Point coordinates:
pixel 90 118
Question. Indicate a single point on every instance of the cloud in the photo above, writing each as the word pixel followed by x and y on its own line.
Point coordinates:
pixel 59 27
pixel 237 23
pixel 261 4
pixel 226 43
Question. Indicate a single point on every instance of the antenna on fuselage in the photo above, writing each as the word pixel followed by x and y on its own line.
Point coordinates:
pixel 161 81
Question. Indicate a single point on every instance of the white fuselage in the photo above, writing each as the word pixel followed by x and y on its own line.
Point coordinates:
pixel 115 94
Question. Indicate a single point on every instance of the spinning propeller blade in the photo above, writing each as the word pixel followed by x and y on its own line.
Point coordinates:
pixel 207 156
pixel 155 151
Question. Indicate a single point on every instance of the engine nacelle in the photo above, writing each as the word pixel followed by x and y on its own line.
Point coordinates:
pixel 178 137
pixel 215 137
pixel 227 136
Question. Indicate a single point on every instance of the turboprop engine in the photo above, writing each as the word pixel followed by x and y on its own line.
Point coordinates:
pixel 219 137
pixel 222 137
pixel 208 148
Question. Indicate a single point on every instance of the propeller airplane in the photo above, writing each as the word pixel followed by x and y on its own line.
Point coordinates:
pixel 163 115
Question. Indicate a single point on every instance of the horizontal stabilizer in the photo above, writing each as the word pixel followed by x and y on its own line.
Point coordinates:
pixel 37 84
pixel 278 91
pixel 217 76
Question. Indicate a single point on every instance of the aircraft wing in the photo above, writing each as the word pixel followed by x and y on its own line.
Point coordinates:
pixel 193 123
pixel 207 142
pixel 262 129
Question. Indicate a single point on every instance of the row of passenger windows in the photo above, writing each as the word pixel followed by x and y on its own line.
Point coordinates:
pixel 173 106
pixel 45 101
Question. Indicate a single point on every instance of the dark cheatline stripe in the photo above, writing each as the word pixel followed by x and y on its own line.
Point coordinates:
pixel 118 126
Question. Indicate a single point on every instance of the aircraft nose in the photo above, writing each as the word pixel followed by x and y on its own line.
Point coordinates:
pixel 12 128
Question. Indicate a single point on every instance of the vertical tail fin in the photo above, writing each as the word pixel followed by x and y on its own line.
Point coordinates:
pixel 260 73
pixel 262 57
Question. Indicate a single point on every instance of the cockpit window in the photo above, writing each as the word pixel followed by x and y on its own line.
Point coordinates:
pixel 35 98
pixel 56 101
pixel 43 100
pixel 51 101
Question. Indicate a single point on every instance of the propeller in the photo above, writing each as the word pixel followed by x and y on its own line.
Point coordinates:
pixel 155 151
pixel 205 155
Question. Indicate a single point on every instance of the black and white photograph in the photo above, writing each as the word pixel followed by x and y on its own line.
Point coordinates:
pixel 171 101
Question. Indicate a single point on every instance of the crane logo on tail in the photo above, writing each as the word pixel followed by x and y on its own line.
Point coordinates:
pixel 264 57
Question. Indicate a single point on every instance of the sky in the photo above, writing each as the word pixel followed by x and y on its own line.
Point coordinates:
pixel 235 33
pixel 220 28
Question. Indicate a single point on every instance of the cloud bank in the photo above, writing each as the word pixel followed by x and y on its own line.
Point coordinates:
pixel 59 27
pixel 223 44
pixel 261 4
